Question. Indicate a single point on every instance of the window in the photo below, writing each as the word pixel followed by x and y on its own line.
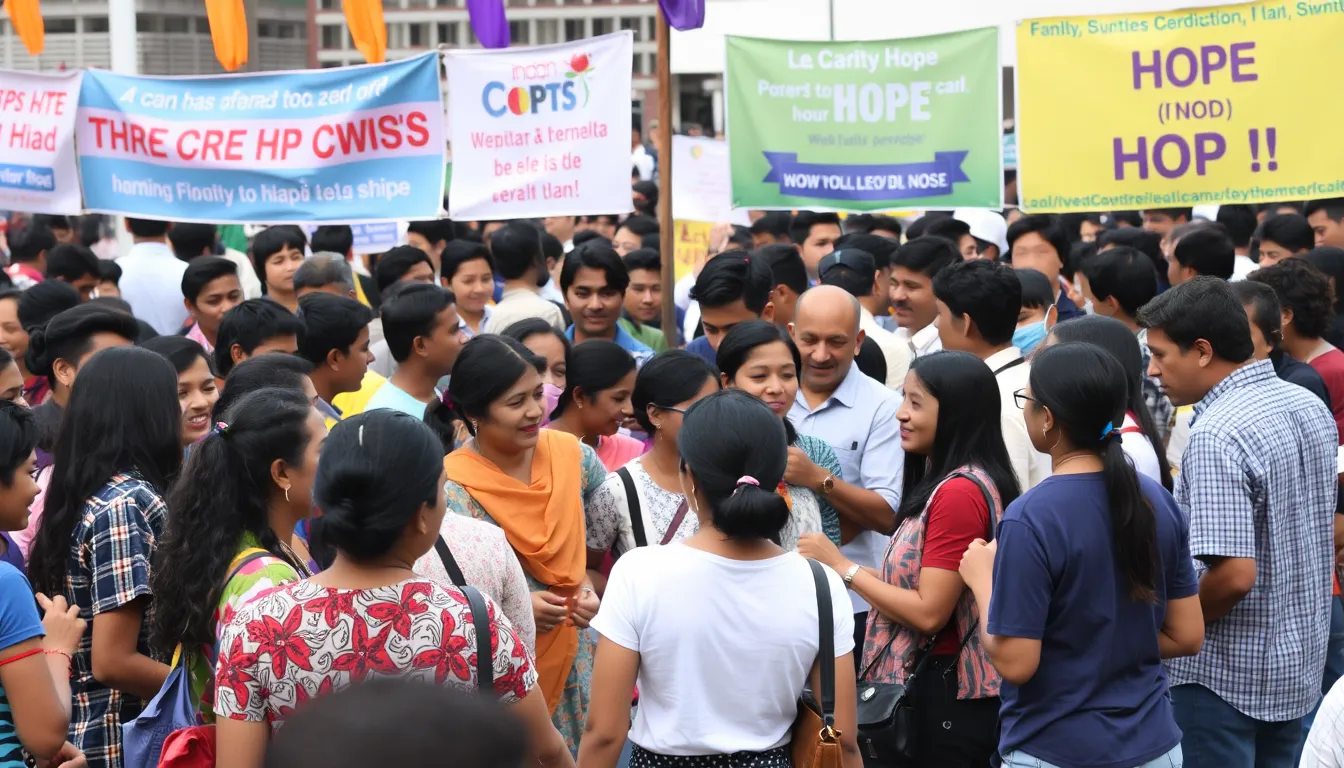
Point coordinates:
pixel 391 5
pixel 574 29
pixel 518 32
pixel 639 64
pixel 419 35
pixel 634 24
pixel 448 33
pixel 548 31
pixel 266 29
pixel 60 26
pixel 653 28
pixel 330 64
pixel 471 36
pixel 331 36
pixel 601 27
pixel 95 23
pixel 144 22
pixel 327 5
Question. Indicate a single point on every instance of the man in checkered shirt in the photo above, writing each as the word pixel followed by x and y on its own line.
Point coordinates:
pixel 1257 483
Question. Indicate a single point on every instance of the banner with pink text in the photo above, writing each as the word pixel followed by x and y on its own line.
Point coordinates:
pixel 541 131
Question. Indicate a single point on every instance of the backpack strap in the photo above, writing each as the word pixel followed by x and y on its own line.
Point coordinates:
pixel 485 655
pixel 450 564
pixel 240 561
pixel 633 505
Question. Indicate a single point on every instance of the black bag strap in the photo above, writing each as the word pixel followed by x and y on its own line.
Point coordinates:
pixel 485 655
pixel 450 563
pixel 826 645
pixel 632 504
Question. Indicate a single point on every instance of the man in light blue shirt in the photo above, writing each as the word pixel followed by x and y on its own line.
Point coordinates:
pixel 151 277
pixel 594 280
pixel 856 416
pixel 424 335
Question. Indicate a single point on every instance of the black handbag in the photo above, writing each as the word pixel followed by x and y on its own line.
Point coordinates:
pixel 888 734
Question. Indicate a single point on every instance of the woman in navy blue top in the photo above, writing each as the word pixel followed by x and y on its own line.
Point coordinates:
pixel 1092 584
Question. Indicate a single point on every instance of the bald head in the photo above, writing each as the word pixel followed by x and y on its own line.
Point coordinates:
pixel 828 304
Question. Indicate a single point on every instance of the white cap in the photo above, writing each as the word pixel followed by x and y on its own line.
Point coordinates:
pixel 985 225
pixel 1209 212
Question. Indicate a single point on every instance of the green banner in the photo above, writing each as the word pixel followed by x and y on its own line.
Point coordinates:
pixel 866 126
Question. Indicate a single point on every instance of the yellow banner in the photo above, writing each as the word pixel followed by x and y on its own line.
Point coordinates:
pixel 691 243
pixel 1165 110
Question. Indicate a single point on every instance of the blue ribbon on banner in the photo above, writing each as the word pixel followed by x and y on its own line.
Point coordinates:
pixel 834 181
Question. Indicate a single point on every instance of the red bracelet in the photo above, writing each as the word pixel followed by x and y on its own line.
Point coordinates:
pixel 20 656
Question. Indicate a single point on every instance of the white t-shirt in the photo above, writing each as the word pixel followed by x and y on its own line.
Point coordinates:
pixel 725 645
pixel 1140 450
pixel 1324 747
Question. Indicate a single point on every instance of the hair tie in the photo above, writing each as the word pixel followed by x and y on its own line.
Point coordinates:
pixel 748 480
pixel 1108 430
pixel 220 428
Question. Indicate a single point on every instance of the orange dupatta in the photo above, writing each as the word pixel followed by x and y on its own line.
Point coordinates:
pixel 544 524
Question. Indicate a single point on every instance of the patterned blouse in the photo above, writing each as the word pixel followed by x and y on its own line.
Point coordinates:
pixel 303 640
pixel 895 647
pixel 108 568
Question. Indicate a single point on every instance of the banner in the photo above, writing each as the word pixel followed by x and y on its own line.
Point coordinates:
pixel 334 145
pixel 690 244
pixel 37 142
pixel 1176 109
pixel 541 131
pixel 866 126
pixel 701 185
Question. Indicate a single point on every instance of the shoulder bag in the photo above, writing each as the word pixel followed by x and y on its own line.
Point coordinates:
pixel 480 619
pixel 816 742
pixel 637 513
pixel 886 716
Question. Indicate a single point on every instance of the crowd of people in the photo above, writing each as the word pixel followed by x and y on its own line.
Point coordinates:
pixel 1073 482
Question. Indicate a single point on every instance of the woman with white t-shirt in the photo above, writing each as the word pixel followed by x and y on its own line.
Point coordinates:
pixel 714 629
pixel 1138 434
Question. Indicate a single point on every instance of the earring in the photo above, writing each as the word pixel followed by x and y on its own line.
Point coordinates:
pixel 474 426
pixel 286 495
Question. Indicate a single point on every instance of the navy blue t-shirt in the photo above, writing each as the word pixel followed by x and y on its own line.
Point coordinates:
pixel 1099 698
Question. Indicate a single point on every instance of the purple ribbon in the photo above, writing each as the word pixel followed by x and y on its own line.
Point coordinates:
pixel 683 14
pixel 831 181
pixel 489 23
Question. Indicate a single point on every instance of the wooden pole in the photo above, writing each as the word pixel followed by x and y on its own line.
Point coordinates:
pixel 667 227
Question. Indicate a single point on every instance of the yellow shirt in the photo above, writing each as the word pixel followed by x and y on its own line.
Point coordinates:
pixel 351 403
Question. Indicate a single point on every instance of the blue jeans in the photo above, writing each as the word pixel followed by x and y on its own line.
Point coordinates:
pixel 1020 759
pixel 1216 735
pixel 1334 659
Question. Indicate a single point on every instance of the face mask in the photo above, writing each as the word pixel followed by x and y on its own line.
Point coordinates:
pixel 550 395
pixel 1027 337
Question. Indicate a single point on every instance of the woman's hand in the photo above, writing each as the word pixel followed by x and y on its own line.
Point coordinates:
pixel 800 470
pixel 815 546
pixel 977 565
pixel 586 609
pixel 68 757
pixel 549 610
pixel 62 623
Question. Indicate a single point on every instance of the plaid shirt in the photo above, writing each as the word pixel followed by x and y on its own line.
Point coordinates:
pixel 1258 481
pixel 1159 407
pixel 110 552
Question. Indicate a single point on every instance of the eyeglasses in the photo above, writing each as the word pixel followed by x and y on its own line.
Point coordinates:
pixel 1020 397
pixel 682 411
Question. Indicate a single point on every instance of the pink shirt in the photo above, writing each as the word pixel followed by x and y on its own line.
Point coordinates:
pixel 617 450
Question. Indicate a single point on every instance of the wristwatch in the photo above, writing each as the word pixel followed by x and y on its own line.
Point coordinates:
pixel 827 485
pixel 851 573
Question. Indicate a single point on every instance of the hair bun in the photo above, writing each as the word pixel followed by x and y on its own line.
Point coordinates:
pixel 36 356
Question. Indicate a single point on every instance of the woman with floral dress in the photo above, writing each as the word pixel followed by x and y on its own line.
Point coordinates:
pixel 533 483
pixel 379 485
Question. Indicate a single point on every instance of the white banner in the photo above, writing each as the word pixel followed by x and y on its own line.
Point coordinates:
pixel 541 131
pixel 37 141
pixel 701 182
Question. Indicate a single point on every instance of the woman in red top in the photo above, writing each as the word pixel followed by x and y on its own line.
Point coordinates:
pixel 957 475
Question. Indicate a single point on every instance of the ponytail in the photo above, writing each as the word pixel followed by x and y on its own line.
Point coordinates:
pixel 1133 523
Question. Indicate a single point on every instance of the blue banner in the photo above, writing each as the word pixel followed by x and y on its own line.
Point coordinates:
pixel 335 145
pixel 831 181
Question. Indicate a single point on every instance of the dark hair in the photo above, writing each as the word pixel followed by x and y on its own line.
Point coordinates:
pixel 1291 230
pixel 1305 291
pixel 786 266
pixel 68 336
pixel 1330 260
pixel 221 495
pixel 1086 390
pixel 989 292
pixel 643 258
pixel 599 256
pixel 190 240
pixel 1333 208
pixel 879 247
pixel 203 271
pixel 867 223
pixel 856 275
pixel 533 326
pixel 411 313
pixel 40 303
pixel 640 225
pixel 949 229
pixel 336 238
pixel 551 247
pixel 1141 240
pixel 264 372
pixel 18 438
pixel 396 264
pixel 928 255
pixel 800 228
pixel 90 229
pixel 375 472
pixel 70 262
pixel 589 235
pixel 650 192
pixel 459 252
pixel 1202 308
pixel 727 437
pixel 1173 213
pixel 330 322
pixel 969 430
pixel 53 221
pixel 398 722
pixel 109 271
pixel 434 230
pixel 1116 338
pixel 1240 223
pixel 323 270
pixel 180 351
pixel 1037 292
pixel 141 434
pixel 773 223
pixel 27 243
pixel 1208 251
pixel 147 227
pixel 271 241
pixel 486 369
pixel 1124 273
pixel 730 277
pixel 1265 309
pixel 669 377
pixel 1048 227
pixel 249 325
pixel 516 248
pixel 594 366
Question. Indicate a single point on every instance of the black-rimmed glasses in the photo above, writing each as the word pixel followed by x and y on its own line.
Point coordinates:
pixel 1020 398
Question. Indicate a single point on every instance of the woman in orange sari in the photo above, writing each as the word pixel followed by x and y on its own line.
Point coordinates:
pixel 533 483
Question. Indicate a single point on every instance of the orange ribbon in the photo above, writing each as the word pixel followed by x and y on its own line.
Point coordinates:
pixel 367 29
pixel 26 17
pixel 228 32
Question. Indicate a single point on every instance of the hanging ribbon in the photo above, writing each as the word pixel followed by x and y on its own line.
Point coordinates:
pixel 26 17
pixel 228 32
pixel 683 14
pixel 488 22
pixel 367 28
